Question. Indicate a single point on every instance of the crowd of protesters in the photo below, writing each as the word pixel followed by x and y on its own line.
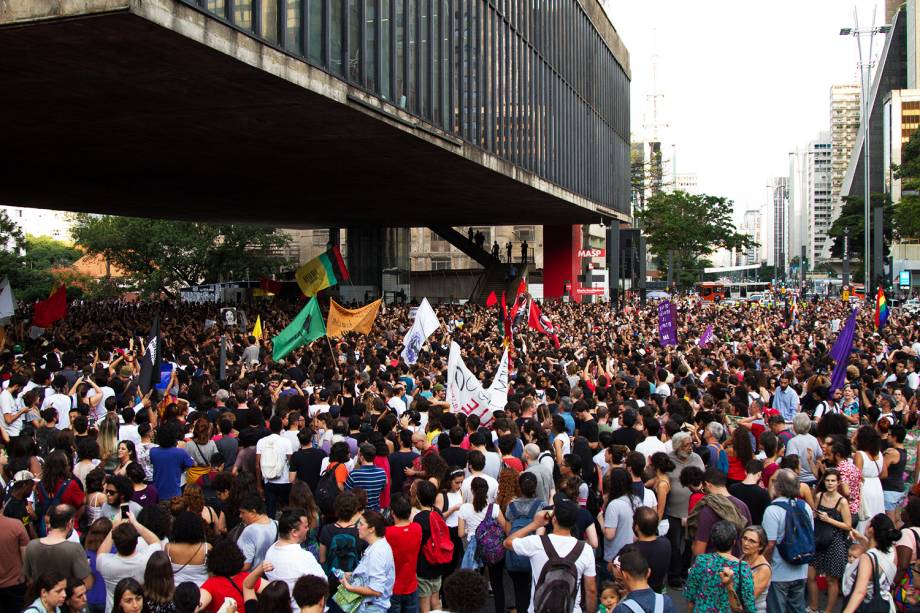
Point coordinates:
pixel 619 474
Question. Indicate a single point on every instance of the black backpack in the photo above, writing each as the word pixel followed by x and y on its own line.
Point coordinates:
pixel 327 489
pixel 557 589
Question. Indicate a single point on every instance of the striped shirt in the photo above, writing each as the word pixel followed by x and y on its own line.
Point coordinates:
pixel 371 479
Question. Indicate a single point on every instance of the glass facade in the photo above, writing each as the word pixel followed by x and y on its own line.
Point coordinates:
pixel 532 81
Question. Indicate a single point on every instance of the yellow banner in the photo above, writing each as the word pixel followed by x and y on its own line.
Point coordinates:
pixel 342 320
pixel 312 277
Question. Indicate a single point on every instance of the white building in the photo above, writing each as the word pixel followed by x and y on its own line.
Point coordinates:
pixel 41 222
pixel 845 116
pixel 750 226
pixel 818 197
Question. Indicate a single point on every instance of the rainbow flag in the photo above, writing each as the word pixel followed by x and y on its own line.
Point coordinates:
pixel 321 272
pixel 881 309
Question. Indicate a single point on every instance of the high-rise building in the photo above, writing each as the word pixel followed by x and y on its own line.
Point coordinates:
pixel 687 182
pixel 41 222
pixel 845 116
pixel 818 195
pixel 750 226
pixel 779 194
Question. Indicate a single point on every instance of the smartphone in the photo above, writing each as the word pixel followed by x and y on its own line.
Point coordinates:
pixel 124 511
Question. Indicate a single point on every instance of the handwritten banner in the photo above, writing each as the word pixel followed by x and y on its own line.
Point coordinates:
pixel 667 318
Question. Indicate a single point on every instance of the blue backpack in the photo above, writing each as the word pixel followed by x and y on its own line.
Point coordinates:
pixel 513 561
pixel 718 459
pixel 798 544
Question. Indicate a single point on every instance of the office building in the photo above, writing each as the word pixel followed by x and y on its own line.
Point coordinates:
pixel 818 197
pixel 845 117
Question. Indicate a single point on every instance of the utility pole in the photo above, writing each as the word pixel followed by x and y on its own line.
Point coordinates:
pixel 845 276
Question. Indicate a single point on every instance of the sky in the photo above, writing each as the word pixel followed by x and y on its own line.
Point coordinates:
pixel 743 83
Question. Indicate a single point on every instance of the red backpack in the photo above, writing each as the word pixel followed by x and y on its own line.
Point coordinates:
pixel 439 549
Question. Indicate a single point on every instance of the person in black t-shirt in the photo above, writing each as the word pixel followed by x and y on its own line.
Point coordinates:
pixel 307 460
pixel 751 493
pixel 627 434
pixel 656 549
pixel 401 460
pixel 455 455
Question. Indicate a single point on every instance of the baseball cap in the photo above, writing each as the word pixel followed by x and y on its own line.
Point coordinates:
pixel 24 475
pixel 438 387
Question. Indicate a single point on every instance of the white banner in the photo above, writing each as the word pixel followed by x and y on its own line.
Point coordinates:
pixel 7 302
pixel 465 392
pixel 425 323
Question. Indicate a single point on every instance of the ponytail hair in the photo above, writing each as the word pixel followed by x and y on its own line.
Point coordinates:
pixel 885 533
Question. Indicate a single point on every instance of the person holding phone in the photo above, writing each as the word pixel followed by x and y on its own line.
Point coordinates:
pixel 118 491
pixel 130 557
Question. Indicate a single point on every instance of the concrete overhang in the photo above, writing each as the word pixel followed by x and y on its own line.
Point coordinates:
pixel 152 108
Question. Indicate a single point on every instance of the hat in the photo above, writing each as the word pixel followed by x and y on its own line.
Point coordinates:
pixel 770 412
pixel 23 475
pixel 437 387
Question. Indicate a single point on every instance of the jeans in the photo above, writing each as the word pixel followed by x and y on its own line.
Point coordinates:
pixel 676 538
pixel 404 603
pixel 786 596
pixel 276 497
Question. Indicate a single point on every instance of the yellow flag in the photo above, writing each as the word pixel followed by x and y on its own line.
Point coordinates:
pixel 257 329
pixel 342 320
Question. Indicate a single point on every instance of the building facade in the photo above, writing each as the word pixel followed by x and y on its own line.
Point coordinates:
pixel 818 197
pixel 750 226
pixel 845 116
pixel 779 193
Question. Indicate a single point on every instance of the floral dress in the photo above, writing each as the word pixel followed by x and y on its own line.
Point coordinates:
pixel 704 584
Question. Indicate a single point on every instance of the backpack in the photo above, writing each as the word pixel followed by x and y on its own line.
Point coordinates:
pixel 513 561
pixel 490 539
pixel 798 544
pixel 327 489
pixel 342 554
pixel 439 548
pixel 43 503
pixel 271 460
pixel 557 587
pixel 718 459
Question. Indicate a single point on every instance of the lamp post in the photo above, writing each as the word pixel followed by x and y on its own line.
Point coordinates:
pixel 865 74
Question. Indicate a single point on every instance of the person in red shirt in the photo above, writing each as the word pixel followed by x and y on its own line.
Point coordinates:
pixel 225 569
pixel 506 446
pixel 405 539
pixel 692 479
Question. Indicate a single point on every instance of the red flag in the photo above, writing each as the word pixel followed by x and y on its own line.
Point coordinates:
pixel 48 311
pixel 491 300
pixel 541 323
pixel 522 288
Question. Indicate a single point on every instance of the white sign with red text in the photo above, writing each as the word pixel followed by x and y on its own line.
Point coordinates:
pixel 465 392
pixel 592 253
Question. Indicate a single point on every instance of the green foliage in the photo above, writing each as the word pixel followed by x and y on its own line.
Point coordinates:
pixel 42 252
pixel 28 261
pixel 691 226
pixel 852 216
pixel 907 211
pixel 161 255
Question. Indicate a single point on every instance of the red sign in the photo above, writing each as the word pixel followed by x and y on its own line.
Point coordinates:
pixel 592 253
pixel 590 291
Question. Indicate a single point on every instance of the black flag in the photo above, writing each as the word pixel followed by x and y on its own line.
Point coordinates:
pixel 150 367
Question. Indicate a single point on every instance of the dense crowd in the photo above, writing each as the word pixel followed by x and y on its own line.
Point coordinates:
pixel 620 473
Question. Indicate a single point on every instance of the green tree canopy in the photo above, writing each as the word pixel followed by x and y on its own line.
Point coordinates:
pixel 907 212
pixel 163 255
pixel 691 226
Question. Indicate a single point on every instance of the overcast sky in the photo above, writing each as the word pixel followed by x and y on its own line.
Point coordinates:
pixel 744 83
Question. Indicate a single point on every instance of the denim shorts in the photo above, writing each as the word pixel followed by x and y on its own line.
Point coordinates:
pixel 892 499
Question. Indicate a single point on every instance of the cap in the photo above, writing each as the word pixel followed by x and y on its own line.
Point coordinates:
pixel 437 387
pixel 23 475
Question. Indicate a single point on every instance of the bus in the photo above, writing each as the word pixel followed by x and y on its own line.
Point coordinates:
pixel 717 291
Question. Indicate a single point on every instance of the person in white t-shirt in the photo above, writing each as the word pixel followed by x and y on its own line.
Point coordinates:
pixel 393 401
pixel 474 512
pixel 276 489
pixel 476 463
pixel 525 542
pixel 652 444
pixel 286 560
pixel 60 401
pixel 13 414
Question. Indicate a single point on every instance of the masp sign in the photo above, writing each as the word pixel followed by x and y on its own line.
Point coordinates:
pixel 592 253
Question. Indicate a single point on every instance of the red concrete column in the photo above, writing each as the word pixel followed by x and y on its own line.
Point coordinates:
pixel 560 262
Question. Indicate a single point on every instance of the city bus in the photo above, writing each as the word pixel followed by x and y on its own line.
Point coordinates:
pixel 717 291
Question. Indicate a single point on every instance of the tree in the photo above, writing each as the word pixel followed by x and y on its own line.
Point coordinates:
pixel 691 227
pixel 160 255
pixel 852 217
pixel 907 212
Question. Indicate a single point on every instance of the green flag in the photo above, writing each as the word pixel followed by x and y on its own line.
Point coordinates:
pixel 305 328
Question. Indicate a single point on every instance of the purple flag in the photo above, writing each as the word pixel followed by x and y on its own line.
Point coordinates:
pixel 840 352
pixel 667 328
pixel 707 336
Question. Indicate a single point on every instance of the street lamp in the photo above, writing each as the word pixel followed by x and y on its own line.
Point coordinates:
pixel 865 73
